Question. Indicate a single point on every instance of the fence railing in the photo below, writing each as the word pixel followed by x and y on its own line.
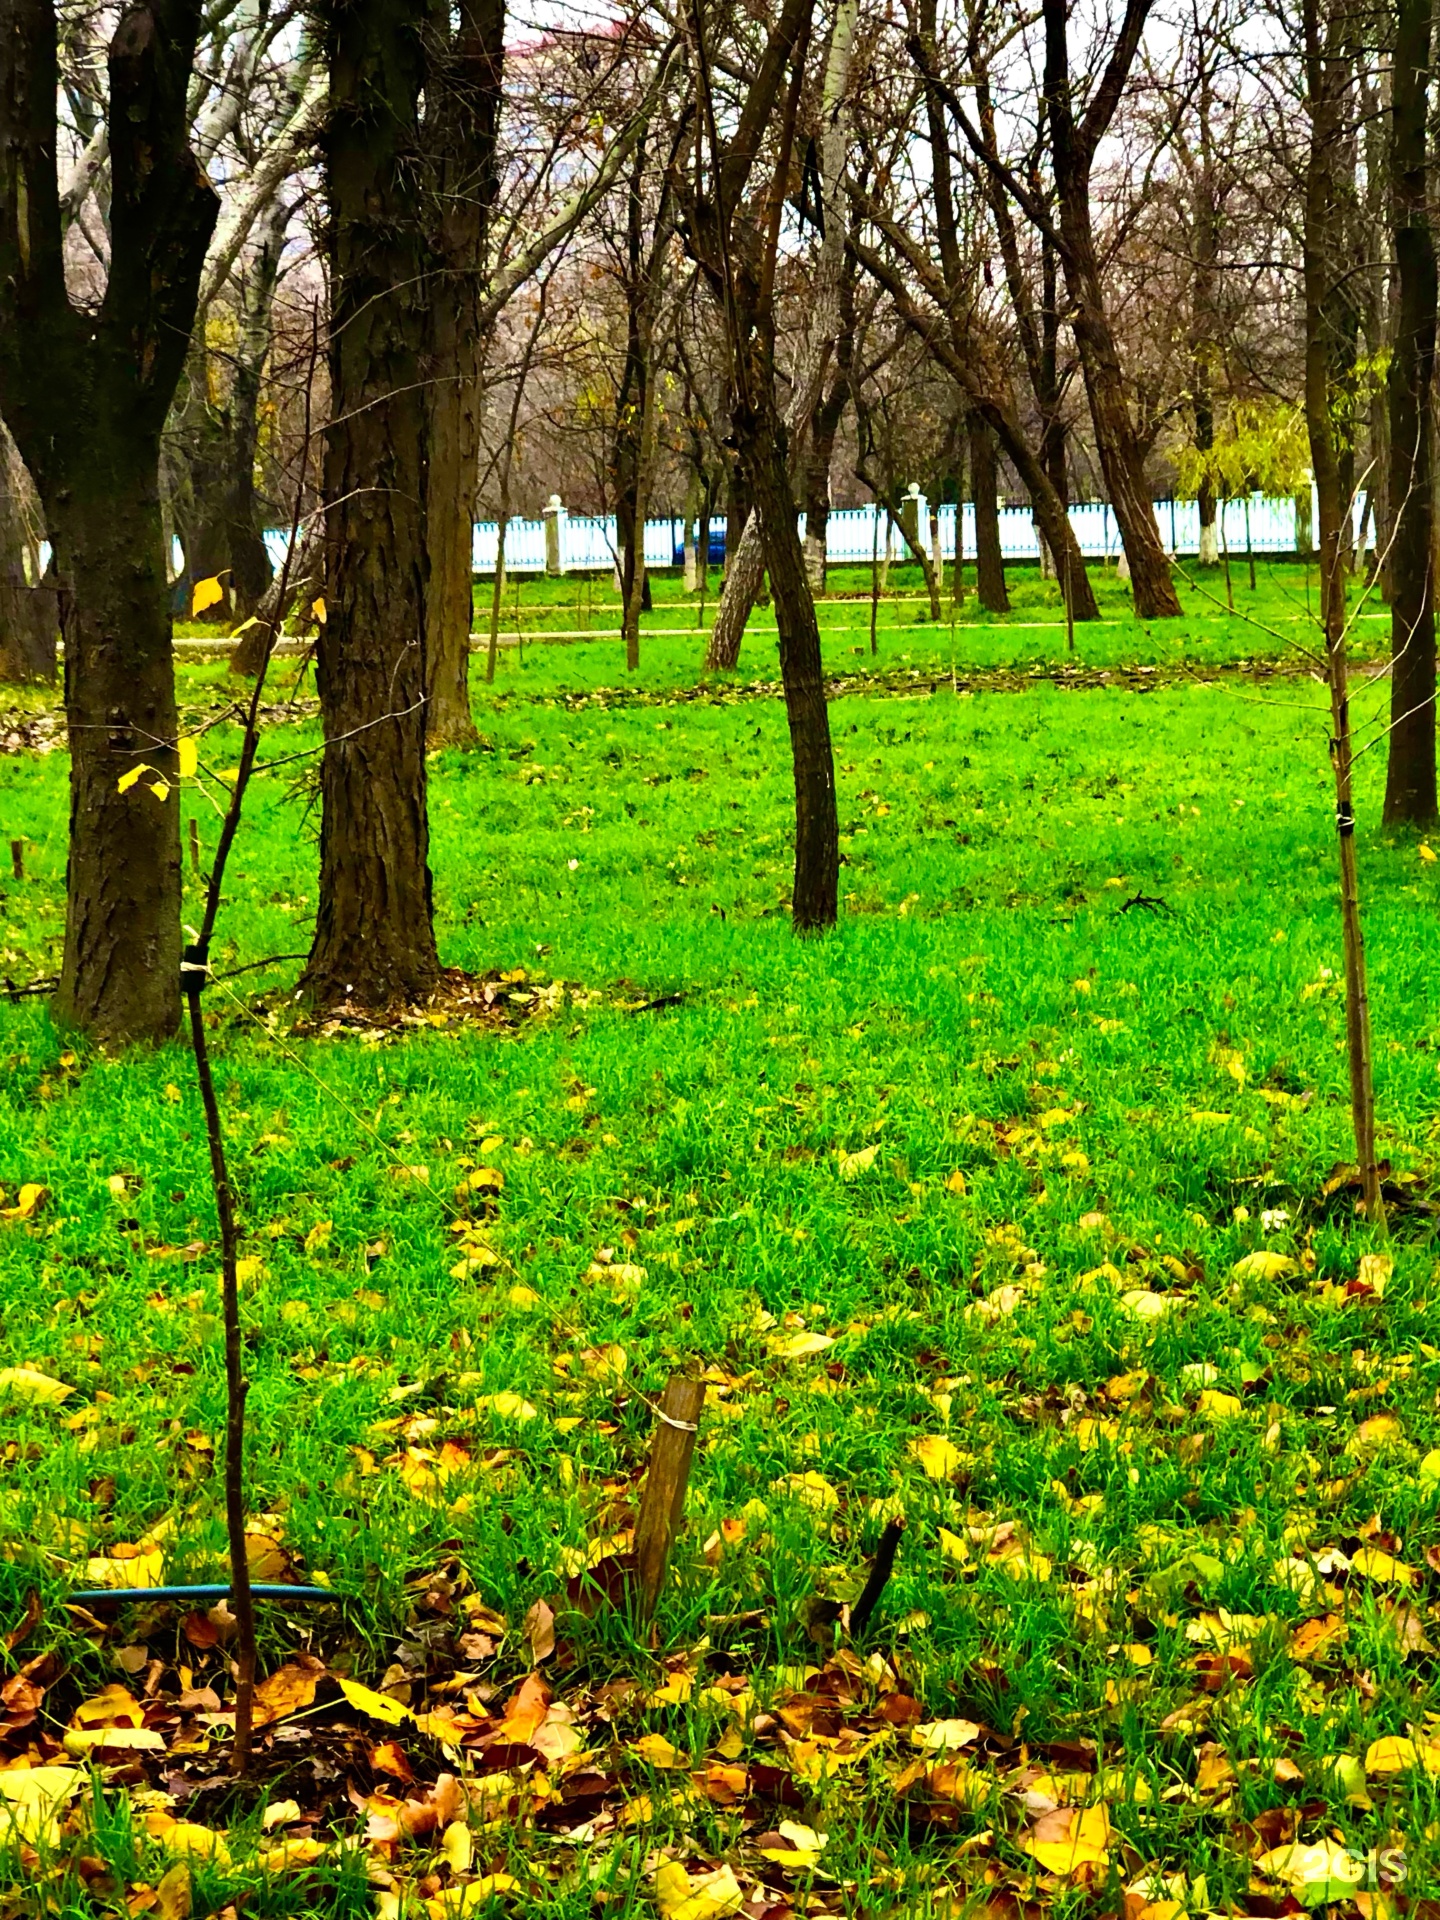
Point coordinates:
pixel 1261 524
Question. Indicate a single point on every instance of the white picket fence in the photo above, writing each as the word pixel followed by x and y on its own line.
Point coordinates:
pixel 589 545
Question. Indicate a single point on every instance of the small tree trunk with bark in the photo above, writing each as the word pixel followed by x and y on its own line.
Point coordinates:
pixel 814 901
pixel 990 588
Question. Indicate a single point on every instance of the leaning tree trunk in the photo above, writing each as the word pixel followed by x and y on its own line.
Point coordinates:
pixel 1410 775
pixel 27 613
pixel 990 589
pixel 85 394
pixel 374 942
pixel 1122 458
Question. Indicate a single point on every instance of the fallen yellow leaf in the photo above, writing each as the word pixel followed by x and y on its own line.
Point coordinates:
pixel 25 1383
pixel 706 1896
pixel 938 1456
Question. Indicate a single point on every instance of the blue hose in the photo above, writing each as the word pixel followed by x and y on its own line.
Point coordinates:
pixel 223 1591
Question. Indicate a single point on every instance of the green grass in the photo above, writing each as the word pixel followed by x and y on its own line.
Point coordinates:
pixel 1125 1091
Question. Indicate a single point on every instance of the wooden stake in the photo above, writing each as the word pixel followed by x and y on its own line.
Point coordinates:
pixel 194 844
pixel 671 1452
pixel 17 858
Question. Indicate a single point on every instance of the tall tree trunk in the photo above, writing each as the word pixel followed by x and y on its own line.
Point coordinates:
pixel 374 942
pixel 1203 346
pixel 820 454
pixel 1328 86
pixel 1410 775
pixel 761 439
pixel 28 625
pixel 85 394
pixel 250 568
pixel 736 245
pixel 463 90
pixel 826 322
pixel 1122 456
pixel 990 589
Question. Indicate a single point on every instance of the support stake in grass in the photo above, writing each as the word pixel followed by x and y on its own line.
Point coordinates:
pixel 17 859
pixel 671 1452
pixel 194 972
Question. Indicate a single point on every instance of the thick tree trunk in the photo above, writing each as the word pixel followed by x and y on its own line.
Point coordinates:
pixel 1410 775
pixel 374 942
pixel 990 589
pixel 28 620
pixel 86 395
pixel 761 440
pixel 120 977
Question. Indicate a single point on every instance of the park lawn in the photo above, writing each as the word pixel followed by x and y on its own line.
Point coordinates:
pixel 570 628
pixel 1016 1204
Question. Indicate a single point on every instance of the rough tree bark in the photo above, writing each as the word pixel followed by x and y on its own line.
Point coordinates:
pixel 28 627
pixel 85 394
pixel 374 942
pixel 990 589
pixel 1410 775
pixel 1122 456
pixel 463 90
